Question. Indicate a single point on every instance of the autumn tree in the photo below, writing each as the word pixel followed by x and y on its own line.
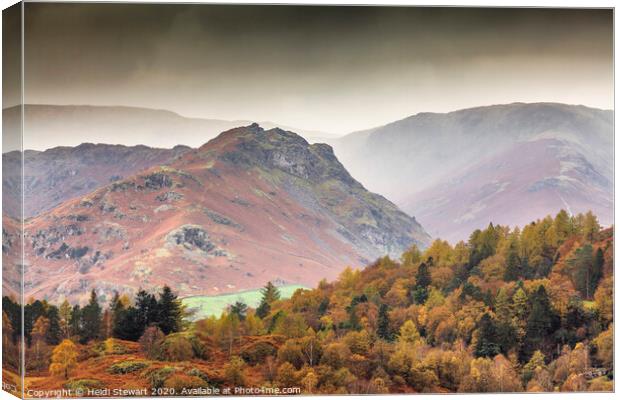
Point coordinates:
pixel 591 227
pixel 412 256
pixel 64 359
pixel 151 341
pixel 604 345
pixel 408 333
pixel 39 331
pixel 65 312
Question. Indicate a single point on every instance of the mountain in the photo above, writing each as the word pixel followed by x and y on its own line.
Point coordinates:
pixel 59 174
pixel 510 163
pixel 251 205
pixel 49 126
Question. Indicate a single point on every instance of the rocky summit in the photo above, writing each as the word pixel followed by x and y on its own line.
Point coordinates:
pixel 250 206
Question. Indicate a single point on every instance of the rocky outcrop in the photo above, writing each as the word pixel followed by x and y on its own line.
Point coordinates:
pixel 194 238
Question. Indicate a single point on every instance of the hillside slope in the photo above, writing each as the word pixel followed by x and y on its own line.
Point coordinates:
pixel 62 173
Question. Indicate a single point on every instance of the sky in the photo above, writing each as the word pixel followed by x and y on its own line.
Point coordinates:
pixel 332 69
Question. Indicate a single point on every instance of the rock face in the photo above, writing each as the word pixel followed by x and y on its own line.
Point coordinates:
pixel 458 171
pixel 250 206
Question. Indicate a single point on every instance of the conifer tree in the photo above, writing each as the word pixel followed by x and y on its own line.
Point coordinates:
pixel 541 322
pixel 240 309
pixel 54 332
pixel 91 319
pixel 423 280
pixel 383 324
pixel 76 321
pixel 147 308
pixel 170 313
pixel 270 293
pixel 487 344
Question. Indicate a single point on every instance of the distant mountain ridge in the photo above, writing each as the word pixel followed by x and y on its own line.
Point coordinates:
pixel 429 164
pixel 250 206
pixel 70 125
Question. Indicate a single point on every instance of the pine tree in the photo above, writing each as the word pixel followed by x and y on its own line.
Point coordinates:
pixel 422 281
pixel 170 315
pixel 506 326
pixel 383 324
pixel 54 332
pixel 586 270
pixel 541 322
pixel 147 307
pixel 91 319
pixel 487 344
pixel 270 293
pixel 128 326
pixel 597 270
pixel 240 309
pixel 76 321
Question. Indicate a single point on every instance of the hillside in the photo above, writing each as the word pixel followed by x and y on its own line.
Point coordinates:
pixel 248 207
pixel 62 173
pixel 432 156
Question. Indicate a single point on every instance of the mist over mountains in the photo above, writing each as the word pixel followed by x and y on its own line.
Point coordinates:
pixel 507 164
pixel 49 126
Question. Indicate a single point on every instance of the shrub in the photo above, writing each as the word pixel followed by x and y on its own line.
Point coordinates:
pixel 234 371
pixel 157 377
pixel 179 382
pixel 199 374
pixel 199 348
pixel 258 352
pixel 125 367
pixel 110 346
pixel 177 348
pixel 83 384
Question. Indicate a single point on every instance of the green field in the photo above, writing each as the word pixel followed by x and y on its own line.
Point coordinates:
pixel 206 306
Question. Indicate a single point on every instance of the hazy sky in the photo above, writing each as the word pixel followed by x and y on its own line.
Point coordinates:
pixel 335 69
